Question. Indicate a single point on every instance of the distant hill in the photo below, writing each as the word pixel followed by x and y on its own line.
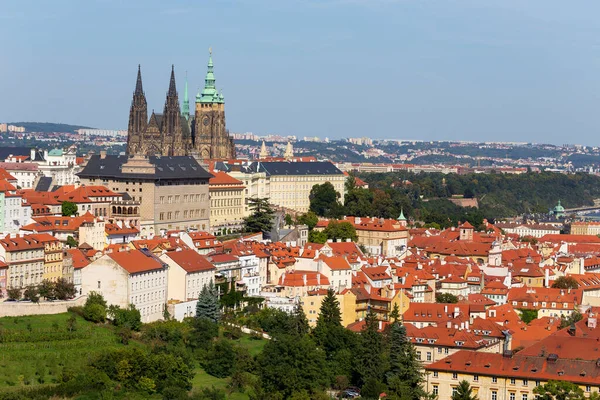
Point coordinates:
pixel 48 127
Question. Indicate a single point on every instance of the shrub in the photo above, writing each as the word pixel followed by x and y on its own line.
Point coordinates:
pixel 94 313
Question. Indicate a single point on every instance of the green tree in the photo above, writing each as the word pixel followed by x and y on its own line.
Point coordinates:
pixel 299 322
pixel 369 360
pixel 71 242
pixel 72 323
pixel 528 315
pixel 64 290
pixel 14 293
pixel 47 290
pixel 341 230
pixel 68 209
pixel 324 201
pixel 261 217
pixel 317 237
pixel 309 219
pixel 559 390
pixel 575 317
pixel 289 221
pixel 565 282
pixel 220 359
pixel 304 365
pixel 32 294
pixel 94 309
pixel 129 317
pixel 208 303
pixel 464 392
pixel 404 376
pixel 395 313
pixel 446 298
pixel 203 332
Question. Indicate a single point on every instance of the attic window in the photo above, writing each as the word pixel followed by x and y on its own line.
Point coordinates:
pixel 515 368
pixel 487 365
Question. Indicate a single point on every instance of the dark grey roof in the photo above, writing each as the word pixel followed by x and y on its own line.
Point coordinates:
pixel 180 167
pixel 125 196
pixel 159 118
pixel 5 152
pixel 43 184
pixel 296 168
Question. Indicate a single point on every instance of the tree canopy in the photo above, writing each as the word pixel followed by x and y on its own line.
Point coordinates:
pixel 68 209
pixel 261 217
pixel 324 201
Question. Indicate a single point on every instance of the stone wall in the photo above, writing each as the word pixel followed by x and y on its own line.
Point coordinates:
pixel 20 308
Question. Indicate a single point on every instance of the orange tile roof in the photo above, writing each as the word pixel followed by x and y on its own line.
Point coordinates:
pixel 5 175
pixel 223 178
pixel 191 261
pixel 6 186
pixel 518 366
pixel 336 263
pixel 61 224
pixel 135 261
pixel 27 242
pixel 114 229
pixel 296 279
pixel 579 239
pixel 86 194
pixel 79 259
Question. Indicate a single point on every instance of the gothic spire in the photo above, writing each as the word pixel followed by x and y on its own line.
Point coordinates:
pixel 172 86
pixel 186 100
pixel 209 93
pixel 139 90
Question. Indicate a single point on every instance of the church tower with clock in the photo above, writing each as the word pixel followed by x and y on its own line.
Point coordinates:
pixel 211 138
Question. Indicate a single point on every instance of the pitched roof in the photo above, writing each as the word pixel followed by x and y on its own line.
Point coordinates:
pixel 518 366
pixel 296 279
pixel 191 261
pixel 336 263
pixel 176 167
pixel 79 259
pixel 296 168
pixel 135 261
pixel 223 178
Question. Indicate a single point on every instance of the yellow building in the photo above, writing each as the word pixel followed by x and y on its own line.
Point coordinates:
pixel 227 199
pixel 53 257
pixel 387 237
pixel 311 304
pixel 289 183
pixel 513 377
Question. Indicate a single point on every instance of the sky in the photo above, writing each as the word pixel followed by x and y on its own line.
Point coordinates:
pixel 477 70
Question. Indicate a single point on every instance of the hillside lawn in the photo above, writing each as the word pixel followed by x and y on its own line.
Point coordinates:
pixel 34 349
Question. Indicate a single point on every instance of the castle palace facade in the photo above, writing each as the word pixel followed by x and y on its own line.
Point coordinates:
pixel 175 132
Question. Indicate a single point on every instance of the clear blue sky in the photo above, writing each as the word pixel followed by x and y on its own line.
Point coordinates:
pixel 419 69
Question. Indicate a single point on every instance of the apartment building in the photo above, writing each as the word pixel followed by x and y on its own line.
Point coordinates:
pixel 135 277
pixel 172 191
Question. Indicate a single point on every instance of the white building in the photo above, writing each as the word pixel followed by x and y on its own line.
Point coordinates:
pixel 129 277
pixel 188 273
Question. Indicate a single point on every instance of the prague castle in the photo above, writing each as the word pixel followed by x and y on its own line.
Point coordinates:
pixel 175 132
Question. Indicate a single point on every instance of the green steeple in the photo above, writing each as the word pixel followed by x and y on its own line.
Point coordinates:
pixel 401 217
pixel 209 93
pixel 186 101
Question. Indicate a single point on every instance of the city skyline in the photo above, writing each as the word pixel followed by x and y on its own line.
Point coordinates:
pixel 386 69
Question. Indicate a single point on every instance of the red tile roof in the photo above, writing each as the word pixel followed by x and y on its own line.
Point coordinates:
pixel 191 261
pixel 222 178
pixel 135 261
pixel 518 366
pixel 296 279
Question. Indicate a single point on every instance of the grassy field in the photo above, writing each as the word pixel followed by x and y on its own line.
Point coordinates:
pixel 34 349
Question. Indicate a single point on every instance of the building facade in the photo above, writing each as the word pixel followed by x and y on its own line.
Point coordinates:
pixel 172 191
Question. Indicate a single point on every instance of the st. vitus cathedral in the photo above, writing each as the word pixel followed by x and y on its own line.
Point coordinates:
pixel 175 132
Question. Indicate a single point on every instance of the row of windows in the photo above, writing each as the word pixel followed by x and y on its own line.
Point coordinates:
pixel 148 283
pixel 186 214
pixel 227 211
pixel 225 202
pixel 535 304
pixel 148 297
pixel 187 198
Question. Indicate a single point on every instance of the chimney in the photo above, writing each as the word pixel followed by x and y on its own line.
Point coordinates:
pixel 338 240
pixel 380 325
pixel 348 240
pixel 304 279
pixel 318 279
pixel 32 154
pixel 462 326
pixel 446 309
pixel 449 324
pixel 456 312
pixel 547 278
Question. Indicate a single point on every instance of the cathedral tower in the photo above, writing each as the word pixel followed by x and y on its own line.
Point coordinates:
pixel 211 139
pixel 138 117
